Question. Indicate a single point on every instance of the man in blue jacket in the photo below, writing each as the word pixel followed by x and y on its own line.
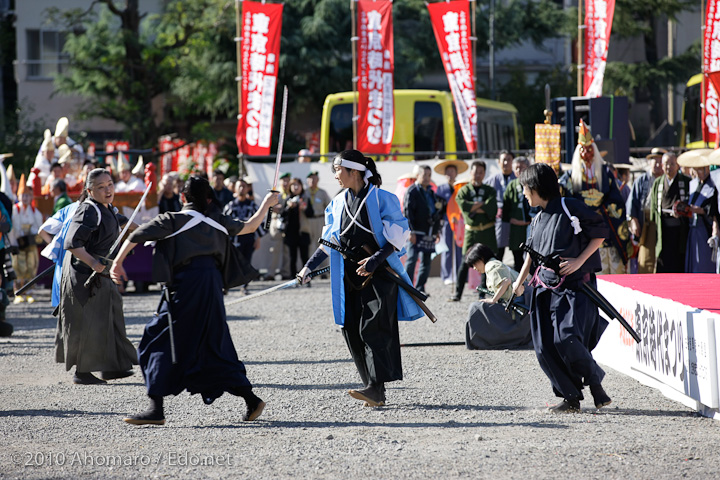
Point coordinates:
pixel 423 209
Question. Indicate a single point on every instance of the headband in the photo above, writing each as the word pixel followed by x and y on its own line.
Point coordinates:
pixel 342 162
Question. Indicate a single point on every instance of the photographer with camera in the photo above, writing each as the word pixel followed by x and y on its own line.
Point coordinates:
pixel 294 214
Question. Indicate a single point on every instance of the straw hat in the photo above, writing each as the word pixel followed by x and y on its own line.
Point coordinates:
pixel 714 157
pixel 442 165
pixel 61 129
pixel 622 166
pixel 656 153
pixel 696 158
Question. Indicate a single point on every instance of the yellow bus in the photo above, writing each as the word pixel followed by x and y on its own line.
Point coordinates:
pixel 425 121
pixel 691 134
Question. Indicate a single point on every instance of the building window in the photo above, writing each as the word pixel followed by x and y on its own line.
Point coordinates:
pixel 45 57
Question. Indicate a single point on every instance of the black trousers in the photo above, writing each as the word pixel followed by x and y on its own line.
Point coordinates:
pixel 674 243
pixel 300 243
pixel 371 331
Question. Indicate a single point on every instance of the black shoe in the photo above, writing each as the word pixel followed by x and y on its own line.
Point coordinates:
pixel 424 293
pixel 116 375
pixel 146 418
pixel 6 329
pixel 86 378
pixel 566 406
pixel 372 396
pixel 601 398
pixel 454 298
pixel 254 411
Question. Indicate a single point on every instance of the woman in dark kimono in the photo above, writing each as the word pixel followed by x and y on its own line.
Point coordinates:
pixel 191 248
pixel 564 322
pixel 91 327
pixel 368 222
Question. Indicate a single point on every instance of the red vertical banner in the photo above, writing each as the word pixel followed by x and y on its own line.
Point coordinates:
pixel 451 25
pixel 376 66
pixel 260 47
pixel 711 64
pixel 598 25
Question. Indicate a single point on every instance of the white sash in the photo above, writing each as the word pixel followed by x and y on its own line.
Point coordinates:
pixel 574 221
pixel 197 218
pixel 354 218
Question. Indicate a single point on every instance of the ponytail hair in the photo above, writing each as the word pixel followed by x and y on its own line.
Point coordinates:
pixel 375 179
pixel 198 191
pixel 357 157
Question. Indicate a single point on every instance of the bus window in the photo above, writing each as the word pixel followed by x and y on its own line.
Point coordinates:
pixel 428 131
pixel 693 114
pixel 496 131
pixel 341 127
pixel 500 130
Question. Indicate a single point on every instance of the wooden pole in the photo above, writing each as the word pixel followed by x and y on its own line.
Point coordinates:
pixel 473 38
pixel 702 69
pixel 238 78
pixel 580 59
pixel 353 41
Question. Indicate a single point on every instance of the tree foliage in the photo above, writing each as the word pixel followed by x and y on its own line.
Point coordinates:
pixel 122 61
pixel 185 55
pixel 650 78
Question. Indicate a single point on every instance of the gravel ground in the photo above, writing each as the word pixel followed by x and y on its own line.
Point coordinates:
pixel 458 413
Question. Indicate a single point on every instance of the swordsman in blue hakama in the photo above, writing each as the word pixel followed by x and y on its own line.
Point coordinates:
pixel 187 344
pixel 367 221
pixel 565 323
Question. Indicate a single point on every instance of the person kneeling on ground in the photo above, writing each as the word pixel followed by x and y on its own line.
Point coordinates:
pixel 489 325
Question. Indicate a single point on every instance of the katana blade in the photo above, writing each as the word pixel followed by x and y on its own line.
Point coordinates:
pixel 92 276
pixel 281 138
pixel 282 286
pixel 38 277
pixel 278 160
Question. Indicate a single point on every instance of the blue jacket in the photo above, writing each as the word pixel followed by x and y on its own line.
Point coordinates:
pixel 388 225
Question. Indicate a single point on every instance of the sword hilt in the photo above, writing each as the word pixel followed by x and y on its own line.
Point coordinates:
pixel 312 275
pixel 266 226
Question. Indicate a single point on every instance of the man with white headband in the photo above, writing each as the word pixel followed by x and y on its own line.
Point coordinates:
pixel 367 223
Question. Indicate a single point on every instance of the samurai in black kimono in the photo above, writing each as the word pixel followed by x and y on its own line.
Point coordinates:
pixel 565 324
pixel 187 345
pixel 91 327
